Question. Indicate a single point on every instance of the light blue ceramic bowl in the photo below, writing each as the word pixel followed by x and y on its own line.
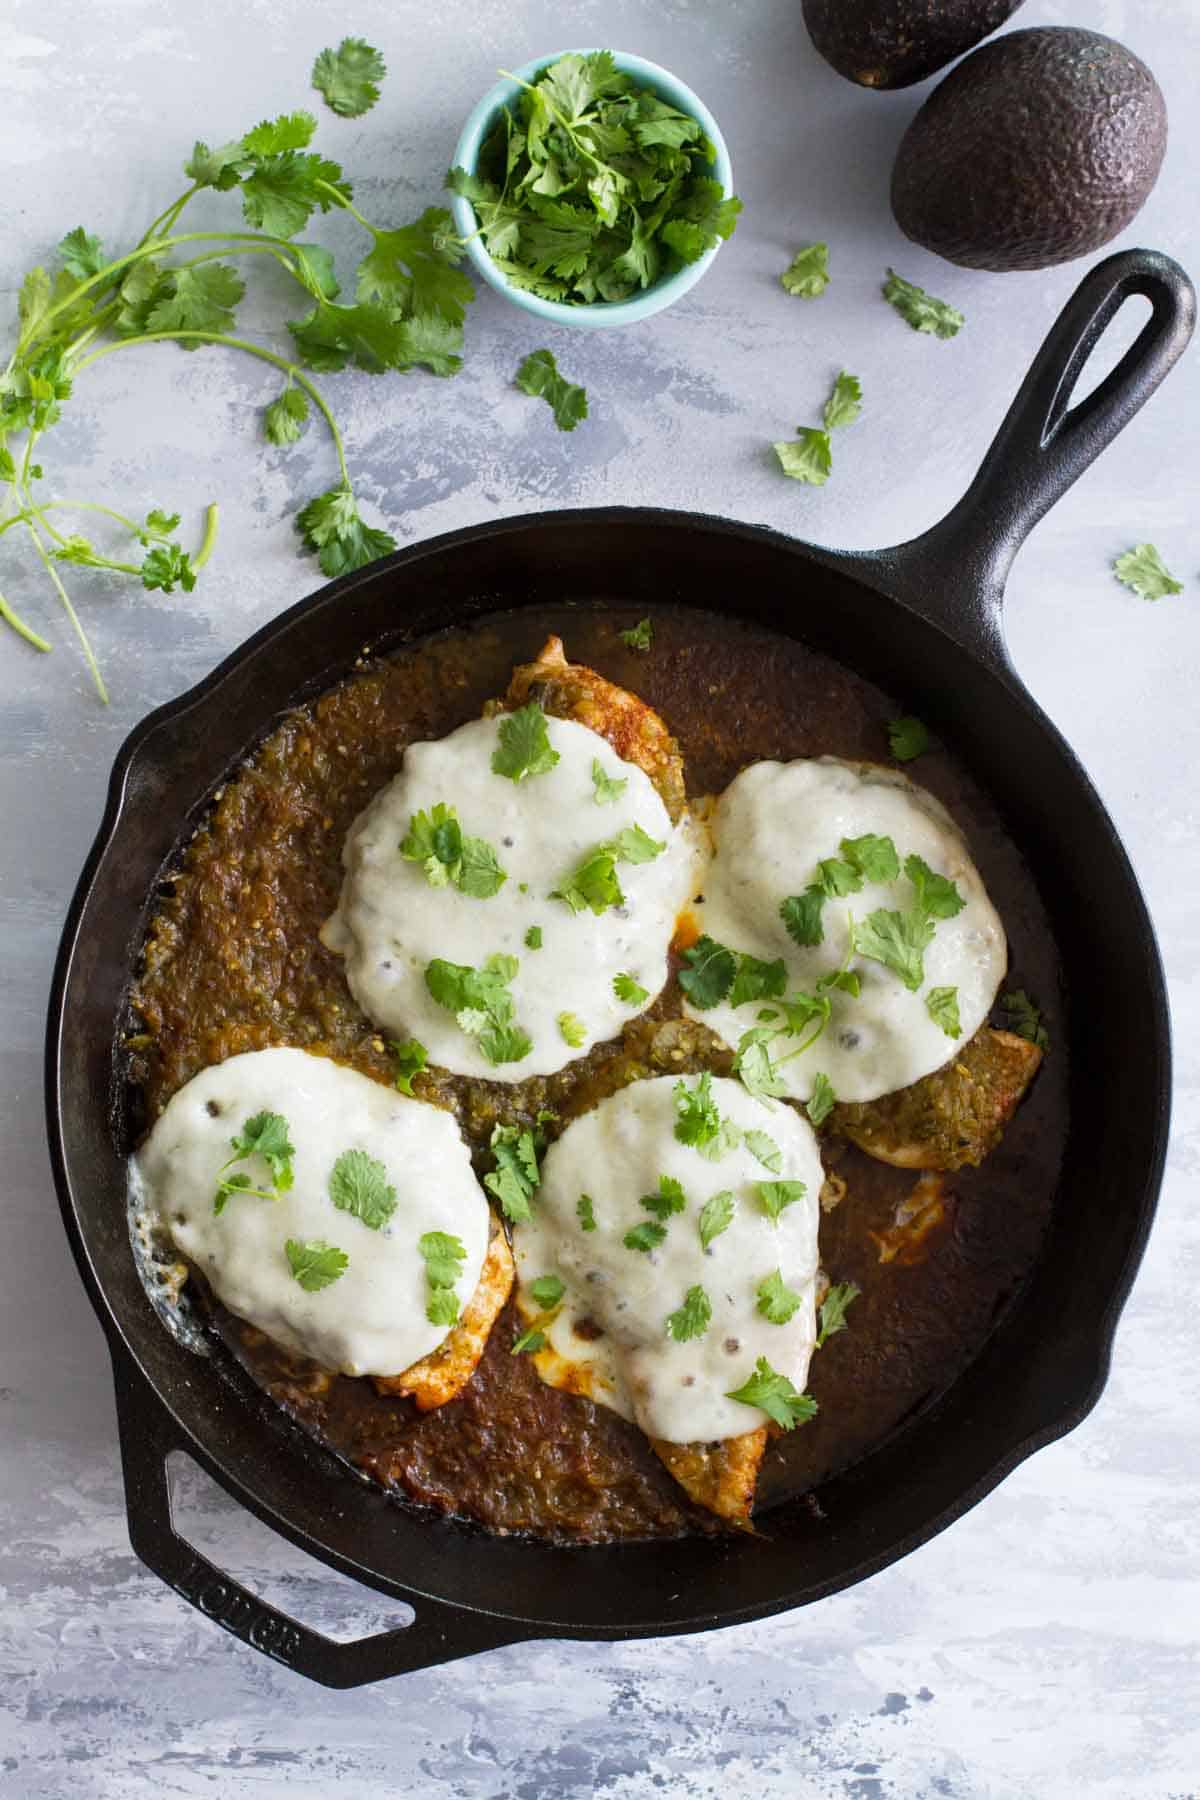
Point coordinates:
pixel 600 314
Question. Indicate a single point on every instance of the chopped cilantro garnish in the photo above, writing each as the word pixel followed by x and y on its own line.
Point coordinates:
pixel 436 841
pixel 444 1256
pixel 358 1184
pixel 639 636
pixel 482 1004
pixel 757 980
pixel 844 404
pixel 534 1338
pixel 533 938
pixel 593 884
pixel 807 458
pixel 920 309
pixel 411 1057
pixel 776 1301
pixel 547 1290
pixel 572 1029
pixel 776 1196
pixel 348 78
pixel 315 1264
pixel 764 1149
pixel 692 1319
pixel 754 1065
pixel 668 1201
pixel 898 941
pixel 807 275
pixel 516 1173
pixel 698 1121
pixel 941 1004
pixel 1023 1018
pixel 822 1099
pixel 1144 570
pixel 874 857
pixel 710 972
pixel 633 845
pixel 801 914
pixel 646 1236
pixel 937 896
pixel 585 1209
pixel 608 788
pixel 833 1310
pixel 716 1216
pixel 525 747
pixel 539 376
pixel 265 1135
pixel 628 991
pixel 907 738
pixel 774 1394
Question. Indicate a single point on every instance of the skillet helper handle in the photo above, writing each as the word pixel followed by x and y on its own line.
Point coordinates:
pixel 148 1434
pixel 1045 443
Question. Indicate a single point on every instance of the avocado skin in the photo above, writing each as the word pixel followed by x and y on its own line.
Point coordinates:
pixel 1036 149
pixel 892 43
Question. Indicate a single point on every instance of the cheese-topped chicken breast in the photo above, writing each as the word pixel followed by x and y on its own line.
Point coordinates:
pixel 848 944
pixel 341 1218
pixel 510 897
pixel 670 1269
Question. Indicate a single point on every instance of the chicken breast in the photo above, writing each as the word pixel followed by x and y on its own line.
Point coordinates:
pixel 720 1477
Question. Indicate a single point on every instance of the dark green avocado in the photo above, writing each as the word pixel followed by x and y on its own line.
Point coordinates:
pixel 1037 148
pixel 892 43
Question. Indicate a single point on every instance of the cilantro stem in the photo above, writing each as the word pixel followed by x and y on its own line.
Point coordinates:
pixel 336 195
pixel 17 622
pixel 208 540
pixel 80 633
pixel 166 220
pixel 292 370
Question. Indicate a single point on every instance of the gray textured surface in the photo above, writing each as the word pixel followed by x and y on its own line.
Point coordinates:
pixel 1046 1645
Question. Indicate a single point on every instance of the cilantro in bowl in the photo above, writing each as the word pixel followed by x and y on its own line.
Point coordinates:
pixel 592 187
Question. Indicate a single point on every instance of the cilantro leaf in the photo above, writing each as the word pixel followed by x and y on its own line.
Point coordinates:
pixel 754 1067
pixel 821 1101
pixel 833 1310
pixel 1144 570
pixel 756 980
pixel 200 299
pixel 282 191
pixel 285 418
pixel 415 269
pixel 844 404
pixel 704 214
pixel 716 1216
pixel 290 131
pixel 1023 1018
pixel 774 1394
pixel 699 1123
pixel 710 973
pixel 358 1184
pixel 874 857
pixel 920 309
pixel 692 1319
pixel 516 1174
pixel 547 1290
pixel 538 375
pixel 645 1237
pixel 572 1029
pixel 331 525
pixel 436 841
pixel 267 1134
pixel 764 1149
pixel 941 1004
pixel 777 1302
pixel 776 1196
pixel 585 1210
pixel 220 169
pixel 809 458
pixel 315 1264
pixel 628 991
pixel 411 1057
pixel 907 738
pixel 898 941
pixel 593 884
pixel 524 745
pixel 808 272
pixel 639 636
pixel 669 1199
pixel 444 1255
pixel 442 1307
pixel 348 78
pixel 801 914
pixel 533 938
pixel 531 1340
pixel 608 787
pixel 937 897
pixel 633 845
pixel 166 566
pixel 482 1004
pixel 81 254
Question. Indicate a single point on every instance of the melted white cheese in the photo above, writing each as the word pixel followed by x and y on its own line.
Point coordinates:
pixel 390 923
pixel 615 1154
pixel 371 1320
pixel 771 828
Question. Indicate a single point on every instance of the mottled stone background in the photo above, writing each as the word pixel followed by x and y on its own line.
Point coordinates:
pixel 1046 1646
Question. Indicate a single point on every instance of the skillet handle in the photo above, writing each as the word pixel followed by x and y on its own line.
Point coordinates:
pixel 954 574
pixel 148 1434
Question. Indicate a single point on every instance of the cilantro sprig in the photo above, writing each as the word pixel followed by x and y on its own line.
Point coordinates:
pixel 832 1315
pixel 482 1004
pixel 698 1122
pixel 921 310
pixel 444 1256
pixel 182 287
pixel 266 1134
pixel 448 857
pixel 592 187
pixel 517 1173
pixel 692 1319
pixel 1024 1018
pixel 775 1395
pixel 314 1263
pixel 593 885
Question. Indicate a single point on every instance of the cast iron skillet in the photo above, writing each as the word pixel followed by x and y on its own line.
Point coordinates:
pixel 922 620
